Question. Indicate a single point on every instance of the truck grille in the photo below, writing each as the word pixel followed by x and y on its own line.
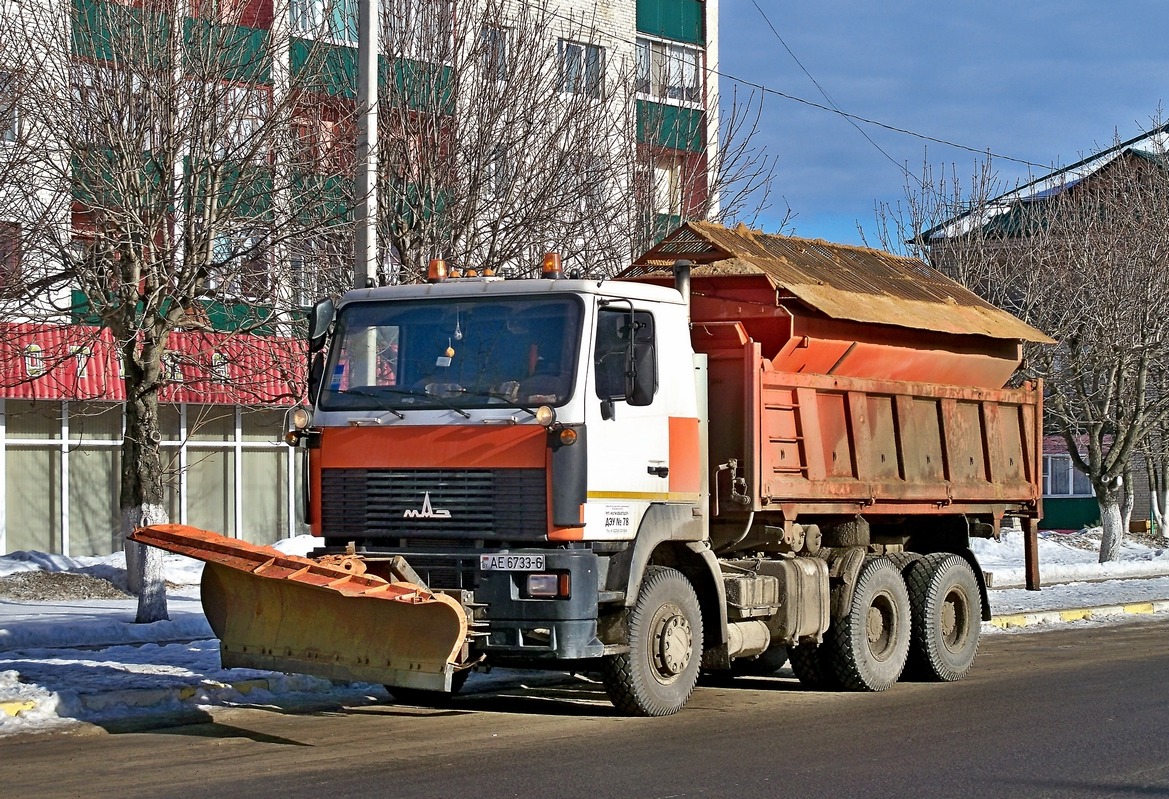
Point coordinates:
pixel 488 504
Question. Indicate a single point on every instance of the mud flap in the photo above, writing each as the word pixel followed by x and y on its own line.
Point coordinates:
pixel 286 613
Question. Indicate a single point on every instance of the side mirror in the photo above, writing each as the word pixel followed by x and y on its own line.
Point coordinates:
pixel 316 371
pixel 320 316
pixel 640 380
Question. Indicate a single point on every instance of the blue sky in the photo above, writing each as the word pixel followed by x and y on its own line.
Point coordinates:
pixel 1041 81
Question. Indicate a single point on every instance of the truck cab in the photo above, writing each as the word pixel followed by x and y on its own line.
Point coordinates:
pixel 508 439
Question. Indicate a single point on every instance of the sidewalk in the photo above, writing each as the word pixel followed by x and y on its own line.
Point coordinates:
pixel 65 662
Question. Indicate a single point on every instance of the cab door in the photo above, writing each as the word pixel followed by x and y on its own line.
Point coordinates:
pixel 628 422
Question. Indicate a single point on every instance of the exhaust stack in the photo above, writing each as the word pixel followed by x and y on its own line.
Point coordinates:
pixel 682 281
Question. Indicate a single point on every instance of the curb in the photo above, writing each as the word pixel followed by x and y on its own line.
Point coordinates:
pixel 1013 620
pixel 14 707
pixel 97 703
pixel 147 697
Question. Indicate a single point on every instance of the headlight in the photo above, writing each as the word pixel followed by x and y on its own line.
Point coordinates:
pixel 545 415
pixel 548 586
pixel 297 422
pixel 299 418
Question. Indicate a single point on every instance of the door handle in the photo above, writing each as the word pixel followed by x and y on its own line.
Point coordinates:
pixel 658 471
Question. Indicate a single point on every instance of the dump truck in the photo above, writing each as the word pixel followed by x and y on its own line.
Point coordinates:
pixel 743 451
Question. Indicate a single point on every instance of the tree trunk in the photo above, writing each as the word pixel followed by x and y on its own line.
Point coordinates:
pixel 1109 497
pixel 1127 503
pixel 142 501
pixel 1158 493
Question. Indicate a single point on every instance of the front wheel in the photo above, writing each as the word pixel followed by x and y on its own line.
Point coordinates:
pixel 658 673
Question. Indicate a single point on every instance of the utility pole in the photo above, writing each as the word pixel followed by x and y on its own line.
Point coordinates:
pixel 365 215
pixel 365 240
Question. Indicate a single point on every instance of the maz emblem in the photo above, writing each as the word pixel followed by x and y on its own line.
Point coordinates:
pixel 427 511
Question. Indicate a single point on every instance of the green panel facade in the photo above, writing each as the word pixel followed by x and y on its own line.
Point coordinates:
pixel 670 126
pixel 224 317
pixel 1072 513
pixel 328 68
pixel 240 54
pixel 682 20
pixel 114 32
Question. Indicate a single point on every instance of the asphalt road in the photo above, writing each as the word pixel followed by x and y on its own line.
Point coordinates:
pixel 1076 712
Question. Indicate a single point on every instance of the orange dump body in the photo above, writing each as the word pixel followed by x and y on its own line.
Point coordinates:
pixel 844 380
pixel 824 444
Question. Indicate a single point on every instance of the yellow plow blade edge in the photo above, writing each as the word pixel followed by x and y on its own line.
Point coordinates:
pixel 286 613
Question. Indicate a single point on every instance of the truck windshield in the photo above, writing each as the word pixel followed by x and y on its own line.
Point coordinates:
pixel 510 352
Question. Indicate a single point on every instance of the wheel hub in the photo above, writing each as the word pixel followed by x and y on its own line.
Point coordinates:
pixel 879 623
pixel 954 619
pixel 672 643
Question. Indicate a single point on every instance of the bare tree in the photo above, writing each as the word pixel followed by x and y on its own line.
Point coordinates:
pixel 167 193
pixel 510 129
pixel 176 174
pixel 1082 256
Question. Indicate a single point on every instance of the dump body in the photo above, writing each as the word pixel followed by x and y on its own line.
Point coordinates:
pixel 821 444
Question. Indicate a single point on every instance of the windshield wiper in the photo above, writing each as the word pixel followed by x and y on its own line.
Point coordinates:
pixel 408 392
pixel 374 392
pixel 504 398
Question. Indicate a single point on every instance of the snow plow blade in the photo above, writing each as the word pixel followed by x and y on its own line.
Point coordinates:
pixel 286 613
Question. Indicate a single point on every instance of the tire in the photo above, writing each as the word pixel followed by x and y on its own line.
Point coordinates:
pixel 421 697
pixel 764 665
pixel 868 648
pixel 902 560
pixel 658 673
pixel 947 617
pixel 809 667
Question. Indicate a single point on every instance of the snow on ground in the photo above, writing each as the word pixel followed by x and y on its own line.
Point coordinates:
pixel 68 660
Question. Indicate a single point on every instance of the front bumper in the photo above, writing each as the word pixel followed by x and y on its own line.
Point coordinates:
pixel 522 627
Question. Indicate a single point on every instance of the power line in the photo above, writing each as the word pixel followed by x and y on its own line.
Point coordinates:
pixel 852 118
pixel 827 97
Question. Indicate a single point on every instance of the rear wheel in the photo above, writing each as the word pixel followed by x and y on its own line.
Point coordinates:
pixel 947 617
pixel 809 667
pixel 868 648
pixel 658 673
pixel 763 665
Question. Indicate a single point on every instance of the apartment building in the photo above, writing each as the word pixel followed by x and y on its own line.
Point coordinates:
pixel 62 399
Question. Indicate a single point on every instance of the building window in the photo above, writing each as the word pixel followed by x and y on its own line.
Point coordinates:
pixel 243 114
pixel 323 137
pixel 240 267
pixel 667 188
pixel 9 121
pixel 419 29
pixel 495 52
pixel 111 108
pixel 669 71
pixel 582 68
pixel 1062 479
pixel 9 257
pixel 335 19
pixel 498 173
pixel 319 265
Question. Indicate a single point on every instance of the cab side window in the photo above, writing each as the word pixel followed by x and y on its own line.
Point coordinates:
pixel 612 358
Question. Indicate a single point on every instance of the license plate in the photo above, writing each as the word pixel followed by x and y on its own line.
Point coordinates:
pixel 511 563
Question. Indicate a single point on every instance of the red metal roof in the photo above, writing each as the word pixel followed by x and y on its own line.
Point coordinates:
pixel 80 362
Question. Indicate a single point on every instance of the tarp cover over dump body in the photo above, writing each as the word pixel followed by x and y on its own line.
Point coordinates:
pixel 840 310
